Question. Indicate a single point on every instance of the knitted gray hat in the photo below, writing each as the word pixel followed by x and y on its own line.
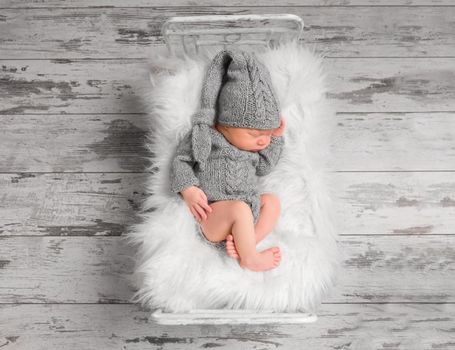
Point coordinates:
pixel 241 87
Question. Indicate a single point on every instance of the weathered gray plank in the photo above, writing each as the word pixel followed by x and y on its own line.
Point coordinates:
pixel 111 143
pixel 73 143
pixel 395 141
pixel 95 269
pixel 190 4
pixel 69 204
pixel 73 204
pixel 391 84
pixel 132 32
pixel 116 86
pixel 56 270
pixel 67 86
pixel 348 327
pixel 396 203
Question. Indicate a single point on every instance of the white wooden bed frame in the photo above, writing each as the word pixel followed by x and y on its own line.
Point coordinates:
pixel 192 32
pixel 188 34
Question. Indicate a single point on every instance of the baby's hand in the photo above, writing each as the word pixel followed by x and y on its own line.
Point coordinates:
pixel 280 130
pixel 196 200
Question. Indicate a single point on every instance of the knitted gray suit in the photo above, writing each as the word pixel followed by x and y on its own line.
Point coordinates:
pixel 241 87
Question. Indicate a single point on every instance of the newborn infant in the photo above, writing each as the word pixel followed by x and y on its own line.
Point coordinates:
pixel 217 163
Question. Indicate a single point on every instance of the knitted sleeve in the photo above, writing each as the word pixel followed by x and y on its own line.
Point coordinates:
pixel 181 173
pixel 269 156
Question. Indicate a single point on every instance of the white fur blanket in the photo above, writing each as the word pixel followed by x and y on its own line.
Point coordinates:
pixel 174 269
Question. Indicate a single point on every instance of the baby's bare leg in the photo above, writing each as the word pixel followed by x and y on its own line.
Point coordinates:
pixel 244 236
pixel 236 217
pixel 219 221
pixel 268 217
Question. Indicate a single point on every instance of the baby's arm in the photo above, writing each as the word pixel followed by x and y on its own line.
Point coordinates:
pixel 182 174
pixel 269 156
pixel 184 181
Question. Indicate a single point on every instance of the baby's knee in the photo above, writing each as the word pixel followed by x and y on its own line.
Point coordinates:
pixel 240 208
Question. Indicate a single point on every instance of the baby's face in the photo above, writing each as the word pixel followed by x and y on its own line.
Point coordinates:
pixel 246 139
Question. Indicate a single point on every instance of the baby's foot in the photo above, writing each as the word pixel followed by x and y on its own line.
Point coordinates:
pixel 231 250
pixel 265 260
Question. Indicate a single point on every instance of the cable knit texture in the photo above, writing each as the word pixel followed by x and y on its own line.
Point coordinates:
pixel 237 88
pixel 230 173
pixel 247 98
pixel 240 86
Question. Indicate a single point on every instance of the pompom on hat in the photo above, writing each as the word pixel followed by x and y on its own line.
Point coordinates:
pixel 239 85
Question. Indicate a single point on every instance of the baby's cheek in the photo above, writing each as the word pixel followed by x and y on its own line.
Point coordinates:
pixel 263 141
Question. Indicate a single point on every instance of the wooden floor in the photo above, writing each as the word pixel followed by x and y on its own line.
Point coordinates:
pixel 72 173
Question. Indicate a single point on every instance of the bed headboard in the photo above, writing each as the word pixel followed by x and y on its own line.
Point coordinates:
pixel 190 33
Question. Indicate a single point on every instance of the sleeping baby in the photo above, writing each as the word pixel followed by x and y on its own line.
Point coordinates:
pixel 236 136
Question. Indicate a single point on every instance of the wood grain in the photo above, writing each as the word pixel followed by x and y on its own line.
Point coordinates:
pixel 121 85
pixel 72 164
pixel 98 269
pixel 115 143
pixel 408 203
pixel 128 32
pixel 215 3
pixel 74 143
pixel 76 204
pixel 395 142
pixel 104 204
pixel 348 326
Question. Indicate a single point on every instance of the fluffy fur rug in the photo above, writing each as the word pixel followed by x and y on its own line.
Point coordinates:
pixel 174 269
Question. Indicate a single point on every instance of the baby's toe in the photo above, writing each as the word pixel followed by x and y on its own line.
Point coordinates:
pixel 230 250
pixel 232 255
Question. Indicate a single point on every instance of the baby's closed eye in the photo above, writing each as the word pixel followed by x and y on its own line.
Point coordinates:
pixel 258 134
